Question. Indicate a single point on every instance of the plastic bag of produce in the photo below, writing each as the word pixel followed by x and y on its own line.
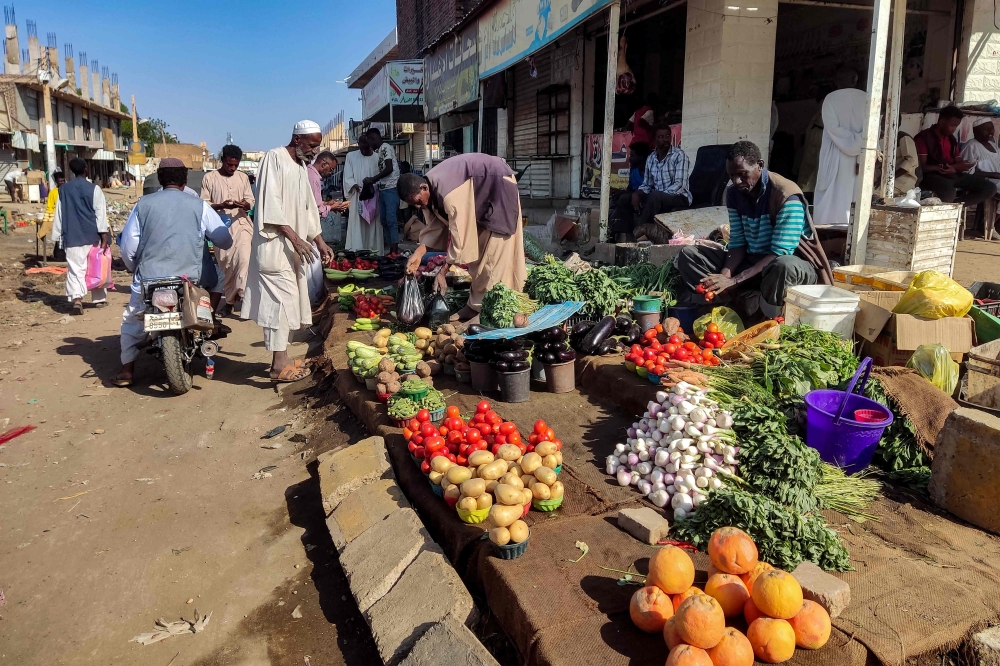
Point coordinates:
pixel 727 320
pixel 936 365
pixel 438 312
pixel 411 305
pixel 934 295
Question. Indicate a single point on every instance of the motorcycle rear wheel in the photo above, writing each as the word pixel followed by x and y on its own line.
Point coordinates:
pixel 178 369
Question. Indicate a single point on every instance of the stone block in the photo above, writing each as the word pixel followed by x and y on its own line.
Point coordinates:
pixel 449 642
pixel 965 468
pixel 344 471
pixel 366 506
pixel 825 589
pixel 645 524
pixel 429 592
pixel 376 559
pixel 985 646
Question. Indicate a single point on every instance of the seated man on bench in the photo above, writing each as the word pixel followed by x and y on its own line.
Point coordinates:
pixel 772 243
pixel 664 189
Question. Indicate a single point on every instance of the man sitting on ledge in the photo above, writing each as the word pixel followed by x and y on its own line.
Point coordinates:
pixel 772 242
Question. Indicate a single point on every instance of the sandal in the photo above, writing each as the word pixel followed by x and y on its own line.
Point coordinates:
pixel 99 304
pixel 76 309
pixel 121 382
pixel 291 373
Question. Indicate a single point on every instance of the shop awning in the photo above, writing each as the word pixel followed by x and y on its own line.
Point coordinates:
pixel 399 85
pixel 106 155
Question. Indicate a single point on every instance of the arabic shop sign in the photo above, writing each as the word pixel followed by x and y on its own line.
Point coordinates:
pixel 451 74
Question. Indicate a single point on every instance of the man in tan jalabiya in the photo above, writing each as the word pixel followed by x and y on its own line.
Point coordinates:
pixel 286 225
pixel 473 212
pixel 229 193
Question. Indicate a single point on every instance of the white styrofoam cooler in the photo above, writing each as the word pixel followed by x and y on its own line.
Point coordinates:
pixel 823 307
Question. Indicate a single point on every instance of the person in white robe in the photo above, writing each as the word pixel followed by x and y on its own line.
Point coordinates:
pixel 286 225
pixel 984 152
pixel 364 230
pixel 844 114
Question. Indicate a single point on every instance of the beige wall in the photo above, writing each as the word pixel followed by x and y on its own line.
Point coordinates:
pixel 979 67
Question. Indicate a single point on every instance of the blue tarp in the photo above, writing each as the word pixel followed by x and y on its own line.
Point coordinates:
pixel 547 317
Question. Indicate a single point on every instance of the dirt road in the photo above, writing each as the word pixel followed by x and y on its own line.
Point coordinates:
pixel 128 505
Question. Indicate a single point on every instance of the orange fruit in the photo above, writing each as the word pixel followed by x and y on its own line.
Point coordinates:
pixel 732 550
pixel 749 577
pixel 671 570
pixel 773 640
pixel 751 612
pixel 733 650
pixel 690 592
pixel 700 621
pixel 688 655
pixel 650 608
pixel 670 636
pixel 777 594
pixel 811 626
pixel 729 591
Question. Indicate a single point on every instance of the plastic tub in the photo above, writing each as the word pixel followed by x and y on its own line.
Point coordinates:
pixel 841 440
pixel 630 366
pixel 438 415
pixel 685 316
pixel 646 304
pixel 402 423
pixel 463 376
pixel 511 551
pixel 641 371
pixel 438 490
pixel 515 386
pixel 448 368
pixel 823 307
pixel 547 505
pixel 560 377
pixel 537 371
pixel 370 383
pixel 646 320
pixel 417 395
pixel 484 378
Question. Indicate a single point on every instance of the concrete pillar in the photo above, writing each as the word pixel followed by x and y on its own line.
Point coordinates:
pixel 728 73
pixel 978 76
pixel 84 78
pixel 576 124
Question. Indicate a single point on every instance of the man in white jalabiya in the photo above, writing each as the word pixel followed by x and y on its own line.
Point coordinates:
pixel 364 230
pixel 844 114
pixel 286 227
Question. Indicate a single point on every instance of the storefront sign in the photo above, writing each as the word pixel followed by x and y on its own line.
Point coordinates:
pixel 514 29
pixel 400 83
pixel 593 147
pixel 452 74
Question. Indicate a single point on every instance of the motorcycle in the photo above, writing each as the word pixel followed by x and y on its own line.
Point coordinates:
pixel 173 337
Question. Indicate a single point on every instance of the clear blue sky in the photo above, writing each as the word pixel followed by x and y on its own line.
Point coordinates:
pixel 206 67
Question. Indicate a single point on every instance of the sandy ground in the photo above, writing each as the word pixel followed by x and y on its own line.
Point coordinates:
pixel 977 260
pixel 128 505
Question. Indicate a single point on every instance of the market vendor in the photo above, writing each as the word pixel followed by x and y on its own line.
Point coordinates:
pixel 772 242
pixel 472 211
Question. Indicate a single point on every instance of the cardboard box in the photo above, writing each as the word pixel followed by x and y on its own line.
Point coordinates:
pixel 890 339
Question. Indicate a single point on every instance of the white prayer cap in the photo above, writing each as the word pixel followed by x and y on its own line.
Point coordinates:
pixel 982 121
pixel 306 127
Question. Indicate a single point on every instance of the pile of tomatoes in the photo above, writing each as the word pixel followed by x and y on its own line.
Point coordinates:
pixel 658 350
pixel 713 337
pixel 368 306
pixel 456 439
pixel 359 263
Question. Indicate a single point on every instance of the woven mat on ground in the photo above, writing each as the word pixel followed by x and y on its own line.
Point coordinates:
pixel 925 405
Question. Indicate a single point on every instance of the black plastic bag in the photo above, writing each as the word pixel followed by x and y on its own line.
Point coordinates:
pixel 411 305
pixel 438 312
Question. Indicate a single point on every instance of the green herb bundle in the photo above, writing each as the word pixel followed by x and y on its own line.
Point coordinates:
pixel 551 282
pixel 501 303
pixel 783 468
pixel 803 360
pixel 784 538
pixel 601 293
pixel 645 278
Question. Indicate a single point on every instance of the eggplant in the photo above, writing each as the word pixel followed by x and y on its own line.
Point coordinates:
pixel 568 355
pixel 609 346
pixel 475 329
pixel 634 335
pixel 513 355
pixel 502 366
pixel 518 366
pixel 547 358
pixel 554 346
pixel 554 334
pixel 598 334
pixel 622 325
pixel 583 327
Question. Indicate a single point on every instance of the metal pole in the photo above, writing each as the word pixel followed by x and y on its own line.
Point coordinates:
pixel 892 99
pixel 479 138
pixel 50 142
pixel 392 125
pixel 863 185
pixel 609 116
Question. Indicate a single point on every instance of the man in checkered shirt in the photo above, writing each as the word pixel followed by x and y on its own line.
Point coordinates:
pixel 664 189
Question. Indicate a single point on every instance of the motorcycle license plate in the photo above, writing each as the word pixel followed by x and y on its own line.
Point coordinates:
pixel 166 321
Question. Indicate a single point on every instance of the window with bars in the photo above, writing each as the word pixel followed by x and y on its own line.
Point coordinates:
pixel 552 113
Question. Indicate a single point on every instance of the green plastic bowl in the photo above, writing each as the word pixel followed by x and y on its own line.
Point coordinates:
pixel 642 372
pixel 473 517
pixel 511 551
pixel 547 505
pixel 417 395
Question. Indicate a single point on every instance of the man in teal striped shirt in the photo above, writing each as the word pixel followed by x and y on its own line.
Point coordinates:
pixel 772 243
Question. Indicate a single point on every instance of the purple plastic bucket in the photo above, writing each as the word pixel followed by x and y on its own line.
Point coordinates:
pixel 840 440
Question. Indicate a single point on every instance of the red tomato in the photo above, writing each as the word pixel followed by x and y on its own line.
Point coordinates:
pixel 649 354
pixel 454 437
pixel 407 433
pixel 428 430
pixel 707 354
pixel 550 434
pixel 708 345
pixel 473 436
pixel 443 431
pixel 682 354
pixel 425 467
pixel 434 444
pixel 674 340
pixel 485 429
pixel 463 449
pixel 423 416
pixel 453 412
pixel 483 407
pixel 495 449
pixel 533 439
pixel 494 419
pixel 418 439
pixel 655 345
pixel 650 334
pixel 636 350
pixel 649 365
pixel 461 460
pixel 507 427
pixel 540 427
pixel 499 439
pixel 712 327
pixel 670 348
pixel 558 443
pixel 514 438
pixel 659 370
pixel 414 425
pixel 712 336
pixel 523 448
pixel 451 456
pixel 659 328
pixel 411 447
pixel 530 448
pixel 454 423
pixel 419 452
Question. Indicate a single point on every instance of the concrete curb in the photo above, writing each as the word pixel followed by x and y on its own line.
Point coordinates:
pixel 412 598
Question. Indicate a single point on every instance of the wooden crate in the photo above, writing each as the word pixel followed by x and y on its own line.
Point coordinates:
pixel 913 239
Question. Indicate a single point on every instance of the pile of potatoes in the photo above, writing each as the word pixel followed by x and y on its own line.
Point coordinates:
pixel 426 343
pixel 449 345
pixel 388 379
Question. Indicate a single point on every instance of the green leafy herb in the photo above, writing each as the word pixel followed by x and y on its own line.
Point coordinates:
pixel 501 303
pixel 601 293
pixel 551 282
pixel 898 449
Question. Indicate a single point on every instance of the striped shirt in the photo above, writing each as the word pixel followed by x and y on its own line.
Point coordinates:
pixel 668 175
pixel 760 236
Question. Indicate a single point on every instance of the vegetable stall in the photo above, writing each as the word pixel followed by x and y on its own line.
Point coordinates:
pixel 704 424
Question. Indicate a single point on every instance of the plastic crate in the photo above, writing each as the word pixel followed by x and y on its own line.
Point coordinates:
pixel 987 291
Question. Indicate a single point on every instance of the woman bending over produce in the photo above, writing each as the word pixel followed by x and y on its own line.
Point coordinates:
pixel 772 242
pixel 472 210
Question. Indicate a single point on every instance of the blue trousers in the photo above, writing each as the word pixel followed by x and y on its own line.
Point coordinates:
pixel 388 207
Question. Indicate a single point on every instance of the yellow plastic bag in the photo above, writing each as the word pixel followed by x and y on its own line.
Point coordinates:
pixel 936 365
pixel 727 320
pixel 934 295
